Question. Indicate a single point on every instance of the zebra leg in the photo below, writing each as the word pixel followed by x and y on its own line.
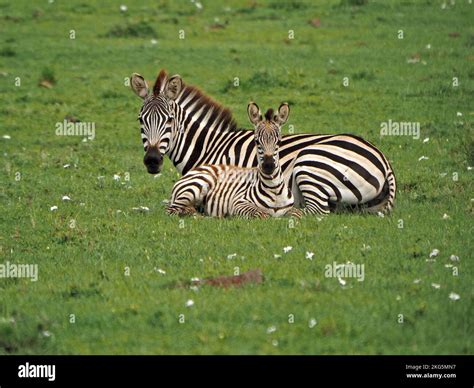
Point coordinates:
pixel 180 211
pixel 246 209
pixel 294 212
pixel 188 193
pixel 315 197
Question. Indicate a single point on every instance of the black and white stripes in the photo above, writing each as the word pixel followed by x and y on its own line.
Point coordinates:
pixel 225 190
pixel 324 171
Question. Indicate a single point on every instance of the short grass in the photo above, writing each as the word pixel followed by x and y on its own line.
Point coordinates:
pixel 84 249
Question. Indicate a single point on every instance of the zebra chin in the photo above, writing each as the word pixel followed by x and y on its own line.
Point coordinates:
pixel 153 169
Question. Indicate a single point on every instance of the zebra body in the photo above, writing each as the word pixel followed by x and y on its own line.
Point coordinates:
pixel 225 190
pixel 324 170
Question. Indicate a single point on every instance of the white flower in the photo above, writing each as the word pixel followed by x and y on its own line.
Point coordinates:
pixel 65 198
pixel 53 208
pixel 445 216
pixel 153 41
pixel 165 201
pixel 459 114
pixel 398 297
pixel 275 342
pixel 156 176
pixel 7 137
pixel 435 285
pixel 271 329
pixel 417 281
pixel 413 60
pixel 287 249
pixel 312 323
pixel 160 271
pixel 434 253
pixel 46 333
pixel 116 177
pixel 380 214
pixel 422 158
pixel 195 279
pixel 469 168
pixel 100 177
pixel 232 256
pixel 448 265
pixel 198 5
pixel 454 296
pixel 426 140
pixel 189 303
pixel 342 282
pixel 309 255
pixel 67 165
pixel 454 258
pixel 123 8
pixel 428 46
pixel 276 256
pixel 141 209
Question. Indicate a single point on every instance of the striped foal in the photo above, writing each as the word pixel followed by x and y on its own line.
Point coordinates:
pixel 324 171
pixel 224 190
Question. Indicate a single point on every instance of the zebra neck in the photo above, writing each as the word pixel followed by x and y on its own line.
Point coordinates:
pixel 200 124
pixel 273 183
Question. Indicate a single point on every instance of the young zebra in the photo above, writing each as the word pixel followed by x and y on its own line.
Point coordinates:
pixel 324 171
pixel 224 190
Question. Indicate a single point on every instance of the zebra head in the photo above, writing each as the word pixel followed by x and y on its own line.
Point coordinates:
pixel 157 116
pixel 268 135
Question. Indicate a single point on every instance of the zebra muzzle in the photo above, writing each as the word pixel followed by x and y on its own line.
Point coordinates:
pixel 268 165
pixel 153 160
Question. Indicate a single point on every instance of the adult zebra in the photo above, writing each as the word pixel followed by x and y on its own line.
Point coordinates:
pixel 192 129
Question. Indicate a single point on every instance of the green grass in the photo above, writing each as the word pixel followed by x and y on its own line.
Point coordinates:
pixel 82 269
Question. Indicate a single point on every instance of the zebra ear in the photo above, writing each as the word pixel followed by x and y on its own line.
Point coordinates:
pixel 138 85
pixel 282 116
pixel 174 86
pixel 254 113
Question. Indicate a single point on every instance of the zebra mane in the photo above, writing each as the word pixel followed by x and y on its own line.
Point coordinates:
pixel 201 99
pixel 160 82
pixel 269 114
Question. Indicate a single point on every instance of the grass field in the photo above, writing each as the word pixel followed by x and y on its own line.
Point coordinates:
pixel 99 288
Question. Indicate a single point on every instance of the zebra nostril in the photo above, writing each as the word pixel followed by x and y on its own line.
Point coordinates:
pixel 153 160
pixel 268 167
